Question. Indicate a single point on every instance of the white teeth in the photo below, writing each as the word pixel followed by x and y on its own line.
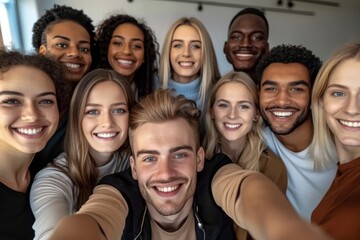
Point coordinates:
pixel 350 124
pixel 282 114
pixel 28 131
pixel 186 64
pixel 244 55
pixel 126 62
pixel 167 189
pixel 72 65
pixel 229 125
pixel 105 135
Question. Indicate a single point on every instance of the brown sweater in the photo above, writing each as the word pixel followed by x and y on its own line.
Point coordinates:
pixel 339 211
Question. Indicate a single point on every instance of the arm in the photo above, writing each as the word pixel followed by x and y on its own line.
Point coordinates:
pixel 258 205
pixel 51 199
pixel 104 214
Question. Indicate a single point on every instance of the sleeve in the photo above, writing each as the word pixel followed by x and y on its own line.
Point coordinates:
pixel 109 209
pixel 51 199
pixel 274 168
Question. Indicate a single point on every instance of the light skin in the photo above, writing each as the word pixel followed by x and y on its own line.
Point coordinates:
pixel 126 50
pixel 105 120
pixel 29 117
pixel 341 104
pixel 247 42
pixel 285 103
pixel 165 164
pixel 234 113
pixel 69 43
pixel 185 54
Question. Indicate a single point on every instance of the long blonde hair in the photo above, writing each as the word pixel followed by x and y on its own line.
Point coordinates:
pixel 81 167
pixel 322 148
pixel 209 72
pixel 250 156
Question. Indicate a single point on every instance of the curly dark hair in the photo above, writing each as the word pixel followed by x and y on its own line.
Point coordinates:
pixel 287 53
pixel 144 76
pixel 55 15
pixel 10 59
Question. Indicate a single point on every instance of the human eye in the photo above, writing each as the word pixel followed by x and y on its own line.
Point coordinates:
pixel 180 155
pixel 258 37
pixel 61 45
pixel 119 111
pixel 92 112
pixel 222 105
pixel 137 46
pixel 244 106
pixel 84 49
pixel 337 94
pixel 236 36
pixel 149 159
pixel 195 46
pixel 117 42
pixel 270 89
pixel 177 45
pixel 10 101
pixel 47 101
pixel 296 90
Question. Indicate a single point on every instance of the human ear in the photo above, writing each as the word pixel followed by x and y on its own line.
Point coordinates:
pixel 42 49
pixel 133 169
pixel 200 159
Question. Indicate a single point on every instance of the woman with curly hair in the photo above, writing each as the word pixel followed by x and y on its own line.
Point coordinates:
pixel 28 118
pixel 95 145
pixel 66 35
pixel 129 47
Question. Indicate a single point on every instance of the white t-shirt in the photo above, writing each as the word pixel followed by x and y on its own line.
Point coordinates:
pixel 306 186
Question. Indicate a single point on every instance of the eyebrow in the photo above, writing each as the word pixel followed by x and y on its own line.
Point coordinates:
pixel 132 39
pixel 181 40
pixel 97 105
pixel 68 39
pixel 337 86
pixel 171 150
pixel 21 94
pixel 294 83
pixel 241 101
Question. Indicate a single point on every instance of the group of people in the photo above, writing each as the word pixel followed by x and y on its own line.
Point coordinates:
pixel 114 140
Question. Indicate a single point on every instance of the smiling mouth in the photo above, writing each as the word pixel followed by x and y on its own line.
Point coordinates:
pixel 72 65
pixel 186 64
pixel 167 189
pixel 106 135
pixel 350 124
pixel 232 125
pixel 282 114
pixel 29 131
pixel 125 62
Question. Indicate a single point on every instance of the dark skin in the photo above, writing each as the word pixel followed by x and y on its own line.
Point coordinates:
pixel 247 42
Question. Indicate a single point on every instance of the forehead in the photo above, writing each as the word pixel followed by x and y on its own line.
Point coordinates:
pixel 248 22
pixel 186 31
pixel 233 90
pixel 346 73
pixel 19 78
pixel 69 29
pixel 128 30
pixel 286 73
pixel 114 93
pixel 161 136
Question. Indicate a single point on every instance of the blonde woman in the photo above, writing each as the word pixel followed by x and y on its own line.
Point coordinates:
pixel 233 126
pixel 336 116
pixel 95 145
pixel 188 62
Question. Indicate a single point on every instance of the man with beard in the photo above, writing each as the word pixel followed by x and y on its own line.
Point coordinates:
pixel 247 40
pixel 172 192
pixel 286 75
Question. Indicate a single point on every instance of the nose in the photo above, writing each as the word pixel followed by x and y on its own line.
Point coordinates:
pixel 233 113
pixel 245 41
pixel 282 97
pixel 31 112
pixel 353 105
pixel 126 49
pixel 165 170
pixel 72 51
pixel 187 51
pixel 106 119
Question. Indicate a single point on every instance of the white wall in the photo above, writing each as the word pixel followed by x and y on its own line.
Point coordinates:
pixel 322 33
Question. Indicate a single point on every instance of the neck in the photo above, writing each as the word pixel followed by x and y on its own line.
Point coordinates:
pixel 300 138
pixel 346 153
pixel 233 149
pixel 14 168
pixel 173 222
pixel 182 79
